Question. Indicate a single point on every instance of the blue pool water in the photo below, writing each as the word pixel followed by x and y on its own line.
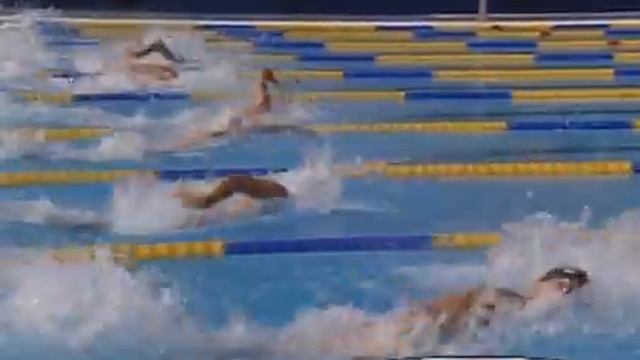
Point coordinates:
pixel 295 306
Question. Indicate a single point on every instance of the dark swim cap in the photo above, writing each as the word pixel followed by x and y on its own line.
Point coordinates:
pixel 576 276
pixel 268 75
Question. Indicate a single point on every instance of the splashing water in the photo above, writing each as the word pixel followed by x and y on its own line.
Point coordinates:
pixel 144 206
pixel 28 52
pixel 215 73
pixel 314 186
pixel 77 305
pixel 118 146
pixel 72 309
pixel 541 242
pixel 606 308
pixel 45 212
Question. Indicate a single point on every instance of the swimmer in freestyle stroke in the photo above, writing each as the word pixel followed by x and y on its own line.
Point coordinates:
pixel 249 117
pixel 455 315
pixel 252 188
pixel 478 306
pixel 156 71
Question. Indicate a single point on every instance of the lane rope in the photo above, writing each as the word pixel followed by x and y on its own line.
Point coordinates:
pixel 483 170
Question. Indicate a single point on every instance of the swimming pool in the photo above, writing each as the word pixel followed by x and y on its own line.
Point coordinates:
pixel 297 304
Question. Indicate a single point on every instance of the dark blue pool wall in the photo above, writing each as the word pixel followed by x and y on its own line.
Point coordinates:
pixel 328 7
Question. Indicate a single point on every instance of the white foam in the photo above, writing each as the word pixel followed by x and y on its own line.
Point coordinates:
pixel 45 212
pixel 125 145
pixel 83 305
pixel 143 206
pixel 531 247
pixel 77 305
pixel 314 186
pixel 540 242
pixel 28 53
pixel 215 73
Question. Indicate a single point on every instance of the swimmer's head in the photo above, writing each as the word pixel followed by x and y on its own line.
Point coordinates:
pixel 268 75
pixel 566 278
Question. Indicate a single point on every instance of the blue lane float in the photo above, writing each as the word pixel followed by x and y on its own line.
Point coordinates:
pixel 626 72
pixel 621 33
pixel 539 125
pixel 290 45
pixel 577 56
pixel 521 45
pixel 133 95
pixel 332 244
pixel 337 58
pixel 201 174
pixel 457 95
pixel 73 42
pixel 387 73
pixel 429 34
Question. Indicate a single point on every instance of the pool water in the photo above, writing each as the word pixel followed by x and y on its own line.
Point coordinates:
pixel 302 306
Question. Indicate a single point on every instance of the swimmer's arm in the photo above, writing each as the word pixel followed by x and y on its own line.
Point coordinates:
pixel 198 138
pixel 191 199
pixel 451 311
pixel 192 140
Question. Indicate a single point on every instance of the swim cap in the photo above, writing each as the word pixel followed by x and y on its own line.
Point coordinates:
pixel 268 75
pixel 577 277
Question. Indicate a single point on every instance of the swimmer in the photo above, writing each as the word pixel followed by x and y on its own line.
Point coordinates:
pixel 254 190
pixel 250 116
pixel 159 47
pixel 138 63
pixel 247 118
pixel 156 71
pixel 478 307
pixel 427 327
